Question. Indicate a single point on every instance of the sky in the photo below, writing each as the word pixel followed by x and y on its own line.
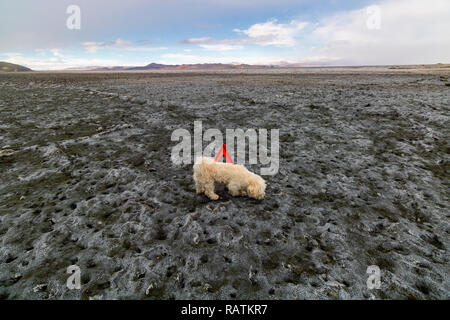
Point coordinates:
pixel 45 34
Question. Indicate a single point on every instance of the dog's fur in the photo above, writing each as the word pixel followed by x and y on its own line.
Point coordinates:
pixel 239 181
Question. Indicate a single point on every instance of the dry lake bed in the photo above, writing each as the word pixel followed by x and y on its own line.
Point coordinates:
pixel 86 179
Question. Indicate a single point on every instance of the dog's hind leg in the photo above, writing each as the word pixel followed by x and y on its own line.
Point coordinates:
pixel 209 191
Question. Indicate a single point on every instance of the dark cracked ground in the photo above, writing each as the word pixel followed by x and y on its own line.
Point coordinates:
pixel 86 179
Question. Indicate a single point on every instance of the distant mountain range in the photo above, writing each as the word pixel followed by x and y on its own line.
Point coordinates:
pixel 11 67
pixel 158 66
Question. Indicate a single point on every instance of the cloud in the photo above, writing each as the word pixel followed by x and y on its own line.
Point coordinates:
pixel 181 58
pixel 11 54
pixel 215 45
pixel 144 42
pixel 197 40
pixel 273 33
pixel 220 47
pixel 270 33
pixel 93 47
pixel 56 52
pixel 62 62
pixel 411 32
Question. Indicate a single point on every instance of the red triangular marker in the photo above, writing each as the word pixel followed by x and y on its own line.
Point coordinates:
pixel 223 152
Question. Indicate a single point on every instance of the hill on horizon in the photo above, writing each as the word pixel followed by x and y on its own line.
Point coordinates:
pixel 11 67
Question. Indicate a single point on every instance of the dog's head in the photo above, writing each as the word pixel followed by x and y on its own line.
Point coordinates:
pixel 256 187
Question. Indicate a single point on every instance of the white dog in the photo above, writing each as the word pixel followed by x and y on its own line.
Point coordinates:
pixel 239 181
